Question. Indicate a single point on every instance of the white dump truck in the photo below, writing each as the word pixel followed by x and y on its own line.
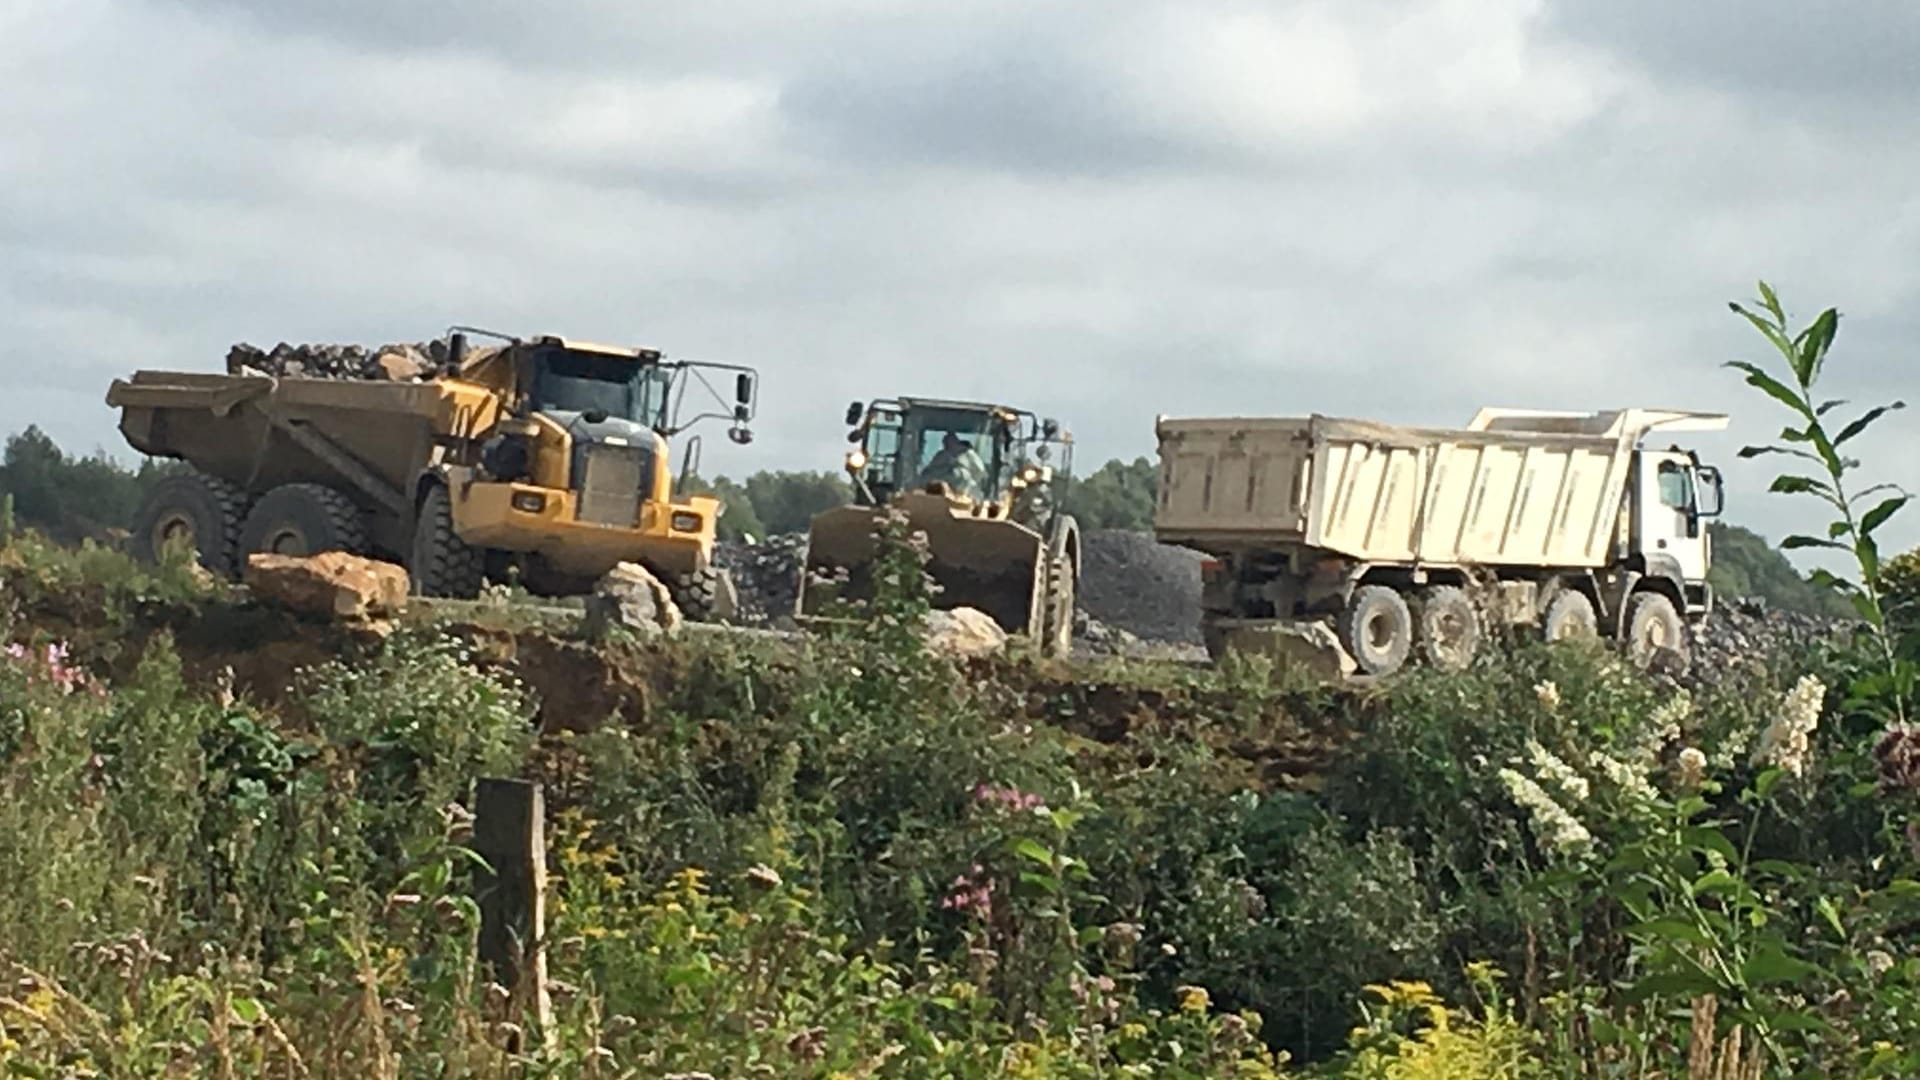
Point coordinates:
pixel 1417 541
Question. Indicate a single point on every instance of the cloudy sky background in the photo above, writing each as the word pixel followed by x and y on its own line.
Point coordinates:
pixel 1104 210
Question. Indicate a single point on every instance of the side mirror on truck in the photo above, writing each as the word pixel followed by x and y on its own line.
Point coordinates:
pixel 1709 492
pixel 742 396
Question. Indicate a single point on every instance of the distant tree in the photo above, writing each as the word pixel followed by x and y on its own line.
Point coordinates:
pixel 786 502
pixel 1746 565
pixel 71 498
pixel 1119 495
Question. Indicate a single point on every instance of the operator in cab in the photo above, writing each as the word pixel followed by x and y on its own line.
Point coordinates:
pixel 958 466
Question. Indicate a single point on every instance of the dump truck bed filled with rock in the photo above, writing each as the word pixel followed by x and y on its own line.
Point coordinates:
pixel 259 432
pixel 1512 488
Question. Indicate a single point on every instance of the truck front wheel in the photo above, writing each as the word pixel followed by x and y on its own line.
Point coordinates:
pixel 1449 628
pixel 1377 629
pixel 705 596
pixel 442 563
pixel 200 512
pixel 1653 624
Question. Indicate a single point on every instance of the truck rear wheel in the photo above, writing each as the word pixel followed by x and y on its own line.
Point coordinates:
pixel 1569 615
pixel 442 563
pixel 1377 629
pixel 1653 624
pixel 1449 627
pixel 304 519
pixel 194 509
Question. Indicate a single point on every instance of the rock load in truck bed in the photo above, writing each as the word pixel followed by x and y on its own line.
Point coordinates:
pixel 416 362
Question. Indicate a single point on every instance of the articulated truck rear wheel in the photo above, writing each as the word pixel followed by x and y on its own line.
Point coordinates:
pixel 196 510
pixel 442 563
pixel 1376 628
pixel 1449 627
pixel 303 519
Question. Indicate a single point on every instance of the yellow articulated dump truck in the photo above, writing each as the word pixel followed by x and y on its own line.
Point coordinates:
pixel 1415 541
pixel 984 483
pixel 544 459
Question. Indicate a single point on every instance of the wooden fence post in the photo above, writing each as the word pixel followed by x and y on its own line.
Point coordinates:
pixel 509 831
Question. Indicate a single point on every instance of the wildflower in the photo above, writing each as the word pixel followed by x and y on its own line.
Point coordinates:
pixel 1692 768
pixel 1548 694
pixel 1631 781
pixel 1557 828
pixel 1570 783
pixel 1193 999
pixel 1009 798
pixel 1879 962
pixel 1787 742
pixel 764 877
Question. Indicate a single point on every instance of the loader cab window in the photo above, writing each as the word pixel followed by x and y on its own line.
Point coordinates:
pixel 575 382
pixel 959 447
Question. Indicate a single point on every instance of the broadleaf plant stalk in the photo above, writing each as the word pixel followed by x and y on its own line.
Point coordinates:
pixel 1813 439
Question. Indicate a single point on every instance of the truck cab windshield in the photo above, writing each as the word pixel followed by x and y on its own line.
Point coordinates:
pixel 581 382
pixel 956 447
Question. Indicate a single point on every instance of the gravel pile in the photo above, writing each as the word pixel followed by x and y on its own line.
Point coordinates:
pixel 1132 583
pixel 1746 631
pixel 384 363
pixel 766 576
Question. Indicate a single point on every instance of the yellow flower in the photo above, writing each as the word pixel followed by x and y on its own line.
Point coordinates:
pixel 1193 999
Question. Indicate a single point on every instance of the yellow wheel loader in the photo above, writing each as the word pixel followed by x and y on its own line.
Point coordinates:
pixel 544 459
pixel 983 483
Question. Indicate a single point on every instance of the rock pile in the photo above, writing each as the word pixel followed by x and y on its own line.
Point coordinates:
pixel 766 575
pixel 384 363
pixel 330 585
pixel 631 598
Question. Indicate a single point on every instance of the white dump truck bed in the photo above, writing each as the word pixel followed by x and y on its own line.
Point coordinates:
pixel 1514 487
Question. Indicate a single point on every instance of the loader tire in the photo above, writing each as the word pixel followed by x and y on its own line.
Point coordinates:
pixel 702 595
pixel 442 563
pixel 1569 615
pixel 1376 628
pixel 1448 627
pixel 193 508
pixel 303 519
pixel 1653 624
pixel 1056 635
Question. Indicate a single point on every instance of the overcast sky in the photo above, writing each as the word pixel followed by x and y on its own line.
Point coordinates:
pixel 1102 210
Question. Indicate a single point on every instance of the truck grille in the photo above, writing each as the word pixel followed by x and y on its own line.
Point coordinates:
pixel 610 486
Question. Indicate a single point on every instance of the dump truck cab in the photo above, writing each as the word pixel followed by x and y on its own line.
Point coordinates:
pixel 984 482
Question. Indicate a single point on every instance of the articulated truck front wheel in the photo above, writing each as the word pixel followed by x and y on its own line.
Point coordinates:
pixel 442 563
pixel 705 596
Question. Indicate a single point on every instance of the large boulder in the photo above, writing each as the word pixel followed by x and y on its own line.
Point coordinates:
pixel 630 597
pixel 331 585
pixel 964 633
pixel 1308 645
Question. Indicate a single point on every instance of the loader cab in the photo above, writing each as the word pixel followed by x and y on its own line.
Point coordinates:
pixel 1008 459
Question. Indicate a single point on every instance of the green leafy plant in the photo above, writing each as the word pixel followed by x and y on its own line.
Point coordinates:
pixel 1814 439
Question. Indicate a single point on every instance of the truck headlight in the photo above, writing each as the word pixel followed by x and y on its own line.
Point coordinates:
pixel 685 522
pixel 529 502
pixel 856 460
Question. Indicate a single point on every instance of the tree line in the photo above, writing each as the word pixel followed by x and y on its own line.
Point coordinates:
pixel 73 497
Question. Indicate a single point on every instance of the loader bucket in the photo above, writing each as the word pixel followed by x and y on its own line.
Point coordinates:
pixel 991 565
